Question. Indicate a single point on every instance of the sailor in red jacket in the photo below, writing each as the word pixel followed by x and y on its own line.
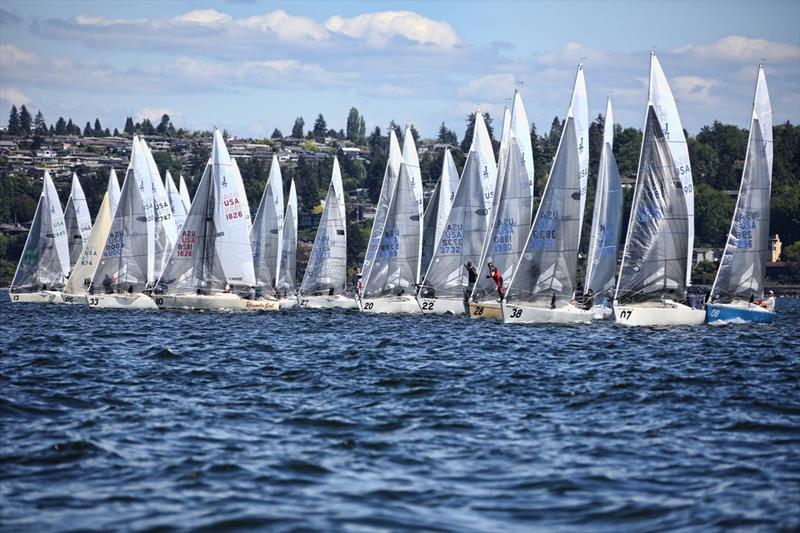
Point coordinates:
pixel 498 279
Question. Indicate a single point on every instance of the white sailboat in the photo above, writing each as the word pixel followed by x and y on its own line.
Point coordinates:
pixel 324 284
pixel 126 267
pixel 511 215
pixel 739 284
pixel 656 262
pixel 44 262
pixel 166 233
pixel 211 267
pixel 391 283
pixel 543 284
pixel 80 277
pixel 184 190
pixel 77 219
pixel 266 237
pixel 601 264
pixel 287 268
pixel 435 216
pixel 176 204
pixel 446 286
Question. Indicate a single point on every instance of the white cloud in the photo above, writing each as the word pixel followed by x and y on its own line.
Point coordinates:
pixel 14 96
pixel 154 114
pixel 492 86
pixel 736 49
pixel 13 56
pixel 286 27
pixel 380 28
pixel 692 88
pixel 204 17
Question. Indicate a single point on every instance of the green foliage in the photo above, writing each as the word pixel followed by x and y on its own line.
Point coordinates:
pixel 14 127
pixel 297 129
pixel 357 240
pixel 25 121
pixel 704 272
pixel 276 134
pixel 791 253
pixel 713 211
pixel 356 127
pixel 165 162
pixel 785 211
pixel 467 140
pixel 447 136
pixel 320 128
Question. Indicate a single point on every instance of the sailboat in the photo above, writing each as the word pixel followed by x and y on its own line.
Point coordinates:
pixel 184 191
pixel 740 279
pixel 77 219
pixel 435 217
pixel 656 262
pixel 446 287
pixel 125 270
pixel 324 284
pixel 176 205
pixel 266 237
pixel 82 273
pixel 165 230
pixel 601 264
pixel 287 268
pixel 511 214
pixel 44 262
pixel 391 283
pixel 211 267
pixel 542 287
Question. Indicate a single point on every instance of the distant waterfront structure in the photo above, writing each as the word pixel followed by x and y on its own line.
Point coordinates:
pixel 775 248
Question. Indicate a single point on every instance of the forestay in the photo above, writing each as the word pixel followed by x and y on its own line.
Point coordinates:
pixel 435 217
pixel 397 261
pixel 742 268
pixel 326 272
pixel 266 238
pixel 45 257
pixel 77 220
pixel 607 218
pixel 288 263
pixel 175 202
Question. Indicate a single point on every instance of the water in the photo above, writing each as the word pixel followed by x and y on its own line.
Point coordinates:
pixel 331 421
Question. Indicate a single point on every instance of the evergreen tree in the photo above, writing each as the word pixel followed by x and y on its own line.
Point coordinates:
pixel 447 136
pixel 25 121
pixel 164 125
pixel 320 128
pixel 116 132
pixel 467 141
pixel 71 128
pixel 147 127
pixel 14 127
pixel 362 131
pixel 375 141
pixel 276 134
pixel 297 129
pixel 88 131
pixel 98 129
pixel 129 128
pixel 353 125
pixel 61 126
pixel 414 134
pixel 39 124
pixel 106 133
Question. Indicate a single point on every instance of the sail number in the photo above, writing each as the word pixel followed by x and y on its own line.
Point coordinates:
pixel 516 312
pixel 427 306
pixel 16 297
pixel 368 305
pixel 94 301
pixel 478 311
pixel 625 315
pixel 303 303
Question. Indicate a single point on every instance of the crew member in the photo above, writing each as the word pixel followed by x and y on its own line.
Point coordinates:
pixel 494 274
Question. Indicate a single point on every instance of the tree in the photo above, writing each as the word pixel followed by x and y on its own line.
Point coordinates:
pixel 362 131
pixel 88 131
pixel 25 121
pixel 129 128
pixel 147 127
pixel 70 127
pixel 467 140
pixel 447 136
pixel 98 129
pixel 297 129
pixel 163 126
pixel 276 134
pixel 39 124
pixel 116 132
pixel 414 134
pixel 713 211
pixel 14 127
pixel 320 128
pixel 61 126
pixel 791 253
pixel 352 129
pixel 375 139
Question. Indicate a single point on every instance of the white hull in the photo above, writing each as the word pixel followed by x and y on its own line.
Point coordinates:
pixel 391 304
pixel 665 313
pixel 488 310
pixel 215 302
pixel 41 297
pixel 287 303
pixel 442 306
pixel 522 314
pixel 601 312
pixel 136 300
pixel 338 301
pixel 75 299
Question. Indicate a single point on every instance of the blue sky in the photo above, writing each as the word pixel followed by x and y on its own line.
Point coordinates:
pixel 251 66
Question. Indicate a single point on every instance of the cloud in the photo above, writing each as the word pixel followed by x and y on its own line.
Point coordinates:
pixel 738 49
pixel 7 18
pixel 12 56
pixel 380 28
pixel 14 96
pixel 204 17
pixel 692 88
pixel 494 86
pixel 154 114
pixel 286 27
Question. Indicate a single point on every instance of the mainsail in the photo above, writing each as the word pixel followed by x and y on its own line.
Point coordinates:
pixel 326 272
pixel 113 190
pixel 411 160
pixel 606 219
pixel 77 220
pixel 184 190
pixel 435 217
pixel 266 238
pixel 742 268
pixel 288 264
pixel 166 232
pixel 175 202
pixel 214 247
pixel 45 257
pixel 521 130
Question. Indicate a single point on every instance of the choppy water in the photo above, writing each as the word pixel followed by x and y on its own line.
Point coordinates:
pixel 338 421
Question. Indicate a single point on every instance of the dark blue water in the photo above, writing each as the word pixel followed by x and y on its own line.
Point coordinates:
pixel 338 421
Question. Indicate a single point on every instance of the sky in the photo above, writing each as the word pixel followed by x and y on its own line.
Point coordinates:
pixel 250 66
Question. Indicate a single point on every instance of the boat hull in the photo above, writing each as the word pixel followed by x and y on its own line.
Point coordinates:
pixel 523 314
pixel 392 305
pixel 75 299
pixel 40 297
pixel 287 303
pixel 120 301
pixel 602 312
pixel 735 314
pixel 487 310
pixel 215 302
pixel 658 314
pixel 338 301
pixel 442 306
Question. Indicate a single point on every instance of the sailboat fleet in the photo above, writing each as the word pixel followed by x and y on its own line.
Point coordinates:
pixel 478 249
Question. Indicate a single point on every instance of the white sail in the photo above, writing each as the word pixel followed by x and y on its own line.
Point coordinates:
pixel 175 202
pixel 411 160
pixel 656 262
pixel 397 262
pixel 166 232
pixel 606 219
pixel 468 220
pixel 743 265
pixel 214 247
pixel 387 187
pixel 663 103
pixel 522 133
pixel 45 256
pixel 184 190
pixel 266 237
pixel 326 272
pixel 504 137
pixel 435 217
pixel 77 220
pixel 113 190
pixel 127 260
pixel 580 115
pixel 287 272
